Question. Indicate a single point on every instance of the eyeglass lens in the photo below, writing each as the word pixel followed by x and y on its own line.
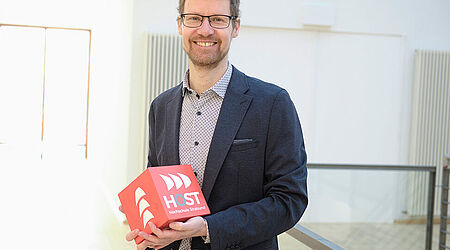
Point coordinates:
pixel 216 21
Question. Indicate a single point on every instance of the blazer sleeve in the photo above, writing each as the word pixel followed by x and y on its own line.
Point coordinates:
pixel 284 187
pixel 151 135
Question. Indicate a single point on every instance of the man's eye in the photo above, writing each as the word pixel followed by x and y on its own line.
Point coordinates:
pixel 218 19
pixel 194 18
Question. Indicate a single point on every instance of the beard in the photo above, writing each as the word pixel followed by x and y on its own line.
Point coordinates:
pixel 206 60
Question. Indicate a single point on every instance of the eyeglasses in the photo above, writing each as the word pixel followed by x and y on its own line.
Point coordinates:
pixel 216 21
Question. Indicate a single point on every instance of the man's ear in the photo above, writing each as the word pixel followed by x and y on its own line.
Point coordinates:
pixel 236 26
pixel 179 25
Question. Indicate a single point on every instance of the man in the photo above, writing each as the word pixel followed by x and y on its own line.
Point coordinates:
pixel 241 135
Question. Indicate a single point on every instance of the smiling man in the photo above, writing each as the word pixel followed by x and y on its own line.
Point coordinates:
pixel 241 135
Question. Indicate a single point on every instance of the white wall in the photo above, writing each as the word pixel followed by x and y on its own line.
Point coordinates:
pixel 351 85
pixel 148 16
pixel 347 99
pixel 63 194
pixel 111 25
pixel 356 107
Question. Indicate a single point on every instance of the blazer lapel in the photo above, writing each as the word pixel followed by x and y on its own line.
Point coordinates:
pixel 234 107
pixel 172 133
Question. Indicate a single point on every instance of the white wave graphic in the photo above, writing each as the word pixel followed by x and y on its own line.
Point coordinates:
pixel 168 181
pixel 146 217
pixel 176 181
pixel 186 180
pixel 143 204
pixel 138 194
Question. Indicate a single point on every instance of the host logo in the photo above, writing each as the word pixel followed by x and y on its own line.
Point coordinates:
pixel 175 180
pixel 179 199
pixel 186 199
pixel 144 207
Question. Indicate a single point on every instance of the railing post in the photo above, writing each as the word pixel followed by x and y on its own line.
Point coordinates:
pixel 444 206
pixel 430 209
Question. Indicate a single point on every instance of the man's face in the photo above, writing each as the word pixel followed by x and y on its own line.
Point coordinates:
pixel 206 46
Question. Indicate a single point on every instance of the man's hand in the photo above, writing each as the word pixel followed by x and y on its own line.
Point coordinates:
pixel 193 227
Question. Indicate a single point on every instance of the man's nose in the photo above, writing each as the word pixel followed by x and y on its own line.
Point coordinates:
pixel 205 28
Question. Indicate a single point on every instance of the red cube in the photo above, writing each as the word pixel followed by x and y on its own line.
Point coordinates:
pixel 162 195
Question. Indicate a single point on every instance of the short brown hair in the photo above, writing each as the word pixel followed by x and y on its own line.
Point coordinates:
pixel 234 7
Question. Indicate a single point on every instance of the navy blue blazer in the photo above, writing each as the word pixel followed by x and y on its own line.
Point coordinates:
pixel 255 176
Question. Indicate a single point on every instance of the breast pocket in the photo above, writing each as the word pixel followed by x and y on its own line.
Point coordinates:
pixel 243 144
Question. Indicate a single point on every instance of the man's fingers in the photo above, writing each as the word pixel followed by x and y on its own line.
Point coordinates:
pixel 132 234
pixel 121 208
pixel 179 226
pixel 153 241
pixel 144 235
pixel 194 223
pixel 155 230
pixel 144 245
pixel 148 237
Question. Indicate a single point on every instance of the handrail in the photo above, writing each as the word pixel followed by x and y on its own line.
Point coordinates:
pixel 426 168
pixel 311 239
pixel 431 185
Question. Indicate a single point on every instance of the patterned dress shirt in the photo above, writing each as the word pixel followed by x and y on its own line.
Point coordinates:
pixel 199 116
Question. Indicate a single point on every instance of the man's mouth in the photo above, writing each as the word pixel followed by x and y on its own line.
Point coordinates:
pixel 205 44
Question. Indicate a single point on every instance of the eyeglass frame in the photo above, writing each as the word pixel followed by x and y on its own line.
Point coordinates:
pixel 231 18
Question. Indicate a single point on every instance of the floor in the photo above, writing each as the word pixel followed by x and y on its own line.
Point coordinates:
pixel 367 236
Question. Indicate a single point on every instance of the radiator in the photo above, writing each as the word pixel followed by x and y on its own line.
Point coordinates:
pixel 430 125
pixel 166 66
pixel 167 63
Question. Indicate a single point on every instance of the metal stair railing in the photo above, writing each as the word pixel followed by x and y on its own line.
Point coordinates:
pixel 431 187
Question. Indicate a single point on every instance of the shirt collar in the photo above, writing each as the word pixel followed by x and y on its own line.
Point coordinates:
pixel 220 87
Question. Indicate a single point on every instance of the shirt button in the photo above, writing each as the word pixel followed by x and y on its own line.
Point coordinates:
pixel 196 143
pixel 199 113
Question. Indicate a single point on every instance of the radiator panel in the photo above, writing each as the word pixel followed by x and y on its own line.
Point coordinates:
pixel 166 66
pixel 430 125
